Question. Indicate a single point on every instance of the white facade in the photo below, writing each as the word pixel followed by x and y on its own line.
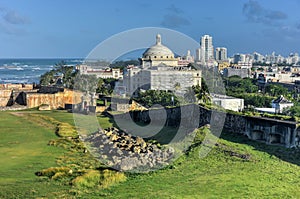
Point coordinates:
pixel 160 71
pixel 281 103
pixel 227 102
pixel 207 49
pixel 160 78
pixel 158 54
pixel 221 54
pixel 258 57
pixel 100 72
pixel 186 59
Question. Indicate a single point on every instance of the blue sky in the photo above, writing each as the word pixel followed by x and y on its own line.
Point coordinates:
pixel 72 28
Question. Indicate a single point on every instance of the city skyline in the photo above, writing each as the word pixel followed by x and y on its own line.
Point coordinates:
pixel 68 29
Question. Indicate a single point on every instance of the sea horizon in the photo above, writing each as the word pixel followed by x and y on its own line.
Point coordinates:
pixel 29 70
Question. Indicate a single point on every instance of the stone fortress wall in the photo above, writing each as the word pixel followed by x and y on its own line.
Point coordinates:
pixel 5 96
pixel 9 91
pixel 267 130
pixel 29 97
pixel 54 101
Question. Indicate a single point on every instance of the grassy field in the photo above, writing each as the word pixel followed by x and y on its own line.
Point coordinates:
pixel 235 168
pixel 23 151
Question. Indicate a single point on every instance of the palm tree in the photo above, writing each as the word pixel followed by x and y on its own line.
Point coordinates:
pixel 202 94
pixel 189 95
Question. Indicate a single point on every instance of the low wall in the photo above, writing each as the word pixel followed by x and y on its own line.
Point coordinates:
pixel 5 96
pixel 55 101
pixel 17 86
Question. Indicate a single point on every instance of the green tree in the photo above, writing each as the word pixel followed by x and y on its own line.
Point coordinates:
pixel 86 83
pixel 189 95
pixel 68 74
pixel 202 93
pixel 275 90
pixel 151 97
pixel 47 78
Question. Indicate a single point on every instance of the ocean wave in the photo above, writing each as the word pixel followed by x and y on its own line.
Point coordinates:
pixel 36 68
pixel 28 70
pixel 14 68
pixel 14 81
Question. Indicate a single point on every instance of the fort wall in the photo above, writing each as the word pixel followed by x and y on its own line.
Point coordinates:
pixel 55 101
pixel 267 130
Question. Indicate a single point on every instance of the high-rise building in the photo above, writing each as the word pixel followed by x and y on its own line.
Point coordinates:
pixel 207 49
pixel 258 57
pixel 221 54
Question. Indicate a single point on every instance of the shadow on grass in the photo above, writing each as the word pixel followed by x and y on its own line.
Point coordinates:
pixel 285 154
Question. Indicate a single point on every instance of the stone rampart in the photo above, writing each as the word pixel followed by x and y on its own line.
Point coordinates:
pixel 5 97
pixel 55 101
pixel 270 131
pixel 20 87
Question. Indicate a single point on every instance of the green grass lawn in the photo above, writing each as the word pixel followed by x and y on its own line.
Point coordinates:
pixel 23 151
pixel 270 171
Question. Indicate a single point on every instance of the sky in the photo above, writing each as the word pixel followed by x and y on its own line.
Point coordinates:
pixel 73 28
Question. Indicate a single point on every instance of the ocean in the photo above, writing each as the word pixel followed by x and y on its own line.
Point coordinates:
pixel 28 71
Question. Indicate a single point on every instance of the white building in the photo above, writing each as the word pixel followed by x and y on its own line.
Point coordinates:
pixel 100 72
pixel 186 59
pixel 258 57
pixel 158 54
pixel 221 54
pixel 207 49
pixel 281 103
pixel 228 102
pixel 243 61
pixel 159 70
pixel 293 58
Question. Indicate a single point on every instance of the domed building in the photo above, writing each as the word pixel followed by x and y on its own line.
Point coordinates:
pixel 160 70
pixel 158 54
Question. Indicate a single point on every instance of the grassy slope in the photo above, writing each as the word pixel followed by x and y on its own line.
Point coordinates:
pixel 219 175
pixel 23 151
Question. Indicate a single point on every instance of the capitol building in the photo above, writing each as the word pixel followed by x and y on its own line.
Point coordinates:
pixel 161 70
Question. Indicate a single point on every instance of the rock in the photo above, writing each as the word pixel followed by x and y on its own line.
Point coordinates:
pixel 129 147
pixel 108 133
pixel 114 137
pixel 116 145
pixel 119 152
pixel 144 161
pixel 136 149
pixel 128 164
pixel 139 140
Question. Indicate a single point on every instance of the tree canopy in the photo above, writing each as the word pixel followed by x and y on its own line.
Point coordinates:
pixel 60 70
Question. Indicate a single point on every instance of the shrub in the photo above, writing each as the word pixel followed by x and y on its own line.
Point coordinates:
pixel 103 179
pixel 54 172
pixel 66 130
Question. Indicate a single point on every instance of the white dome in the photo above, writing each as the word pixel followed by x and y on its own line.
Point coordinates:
pixel 158 50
